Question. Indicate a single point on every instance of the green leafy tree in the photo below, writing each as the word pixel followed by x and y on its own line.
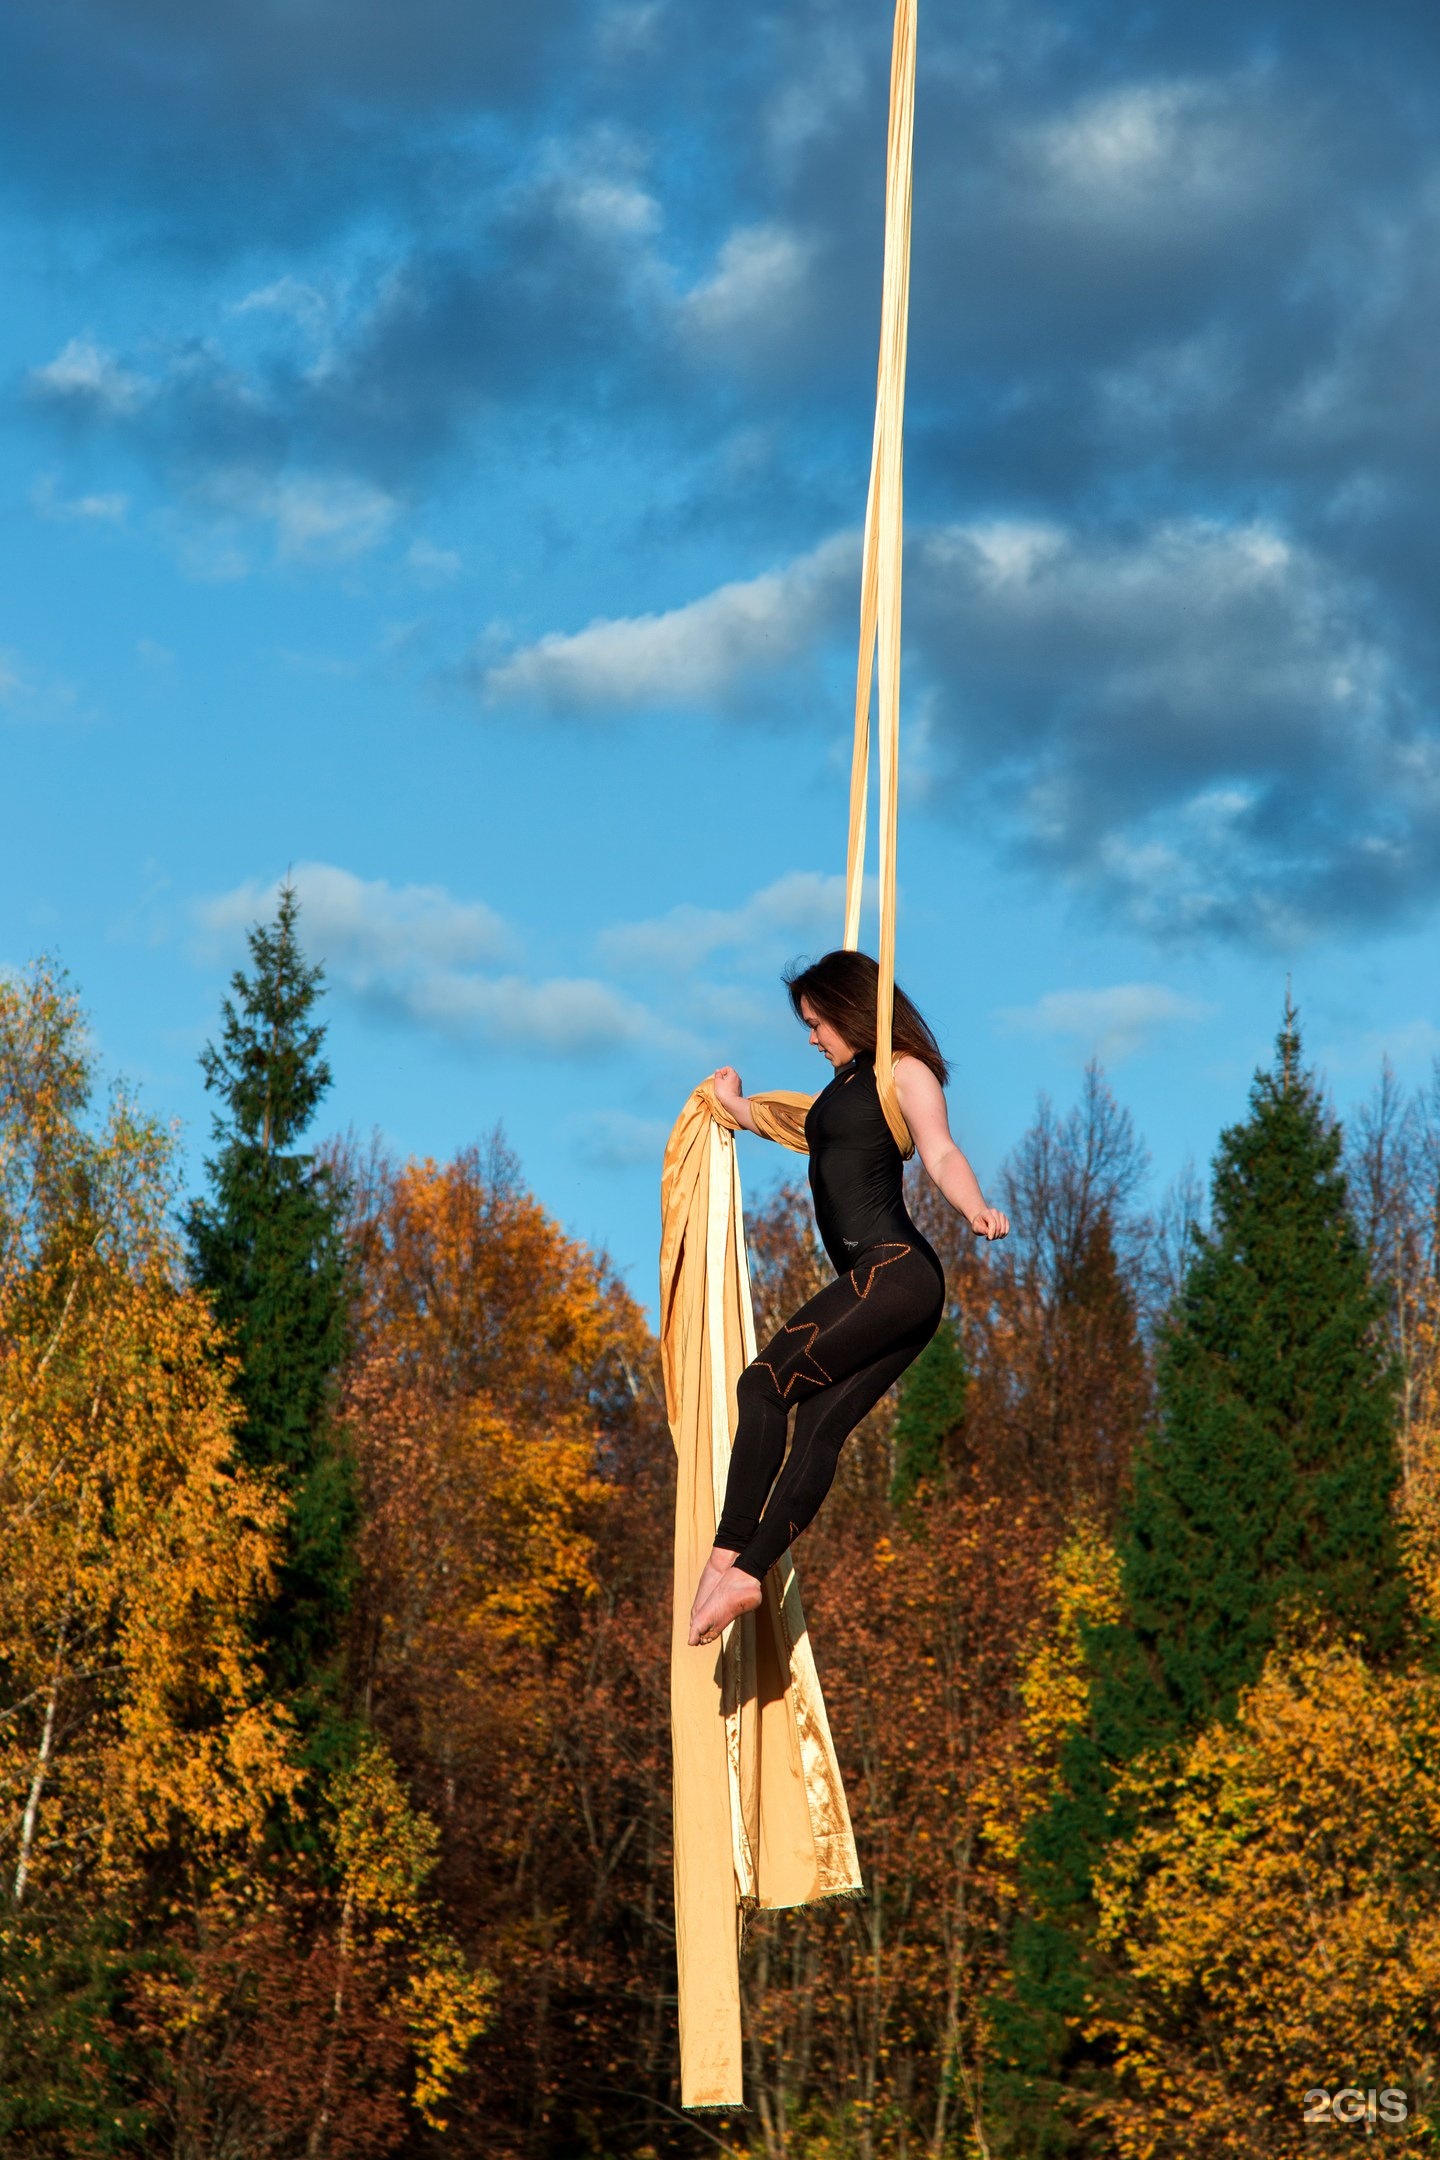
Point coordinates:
pixel 1260 1509
pixel 268 1248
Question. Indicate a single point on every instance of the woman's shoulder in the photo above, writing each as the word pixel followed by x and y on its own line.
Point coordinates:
pixel 911 1071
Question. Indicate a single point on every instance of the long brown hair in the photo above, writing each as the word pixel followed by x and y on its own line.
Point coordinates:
pixel 843 987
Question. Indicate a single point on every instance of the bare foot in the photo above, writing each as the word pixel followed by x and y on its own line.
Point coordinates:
pixel 720 1559
pixel 734 1593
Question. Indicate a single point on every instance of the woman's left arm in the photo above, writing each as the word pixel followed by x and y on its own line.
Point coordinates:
pixel 923 1101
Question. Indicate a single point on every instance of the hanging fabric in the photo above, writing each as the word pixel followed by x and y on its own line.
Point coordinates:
pixel 759 1806
pixel 880 575
pixel 760 1816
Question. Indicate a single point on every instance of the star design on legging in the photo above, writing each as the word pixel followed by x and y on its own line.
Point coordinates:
pixel 818 1378
pixel 892 1252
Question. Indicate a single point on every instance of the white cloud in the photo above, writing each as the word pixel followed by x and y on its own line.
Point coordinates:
pixel 415 953
pixel 758 280
pixel 305 304
pixel 1194 625
pixel 1128 135
pixel 317 517
pixel 610 207
pixel 367 927
pixel 803 905
pixel 28 695
pixel 314 311
pixel 432 565
pixel 209 552
pixel 822 98
pixel 1145 152
pixel 47 502
pixel 696 654
pixel 1412 1046
pixel 628 27
pixel 1172 381
pixel 1112 1024
pixel 727 1012
pixel 561 1017
pixel 398 638
pixel 85 373
pixel 592 182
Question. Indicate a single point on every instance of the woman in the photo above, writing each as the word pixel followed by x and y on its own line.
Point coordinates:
pixel 853 1339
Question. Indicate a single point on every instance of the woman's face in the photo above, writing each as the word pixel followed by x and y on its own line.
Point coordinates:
pixel 825 1038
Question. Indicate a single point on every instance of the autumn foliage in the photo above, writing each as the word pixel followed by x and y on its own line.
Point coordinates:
pixel 399 1881
pixel 1279 1912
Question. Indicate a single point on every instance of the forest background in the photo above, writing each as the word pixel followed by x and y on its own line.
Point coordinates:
pixel 334 1681
pixel 433 439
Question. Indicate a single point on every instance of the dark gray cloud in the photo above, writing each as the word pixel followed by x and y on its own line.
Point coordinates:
pixel 1203 725
pixel 219 126
pixel 1133 252
pixel 1207 727
pixel 539 297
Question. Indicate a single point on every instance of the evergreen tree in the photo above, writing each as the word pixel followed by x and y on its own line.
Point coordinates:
pixel 269 1250
pixel 1261 1506
pixel 1267 1496
pixel 931 1407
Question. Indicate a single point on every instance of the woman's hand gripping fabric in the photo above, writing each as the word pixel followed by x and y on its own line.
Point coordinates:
pixel 731 1096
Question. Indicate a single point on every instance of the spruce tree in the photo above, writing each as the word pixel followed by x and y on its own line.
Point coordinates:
pixel 1261 1505
pixel 269 1250
pixel 931 1407
pixel 1266 1499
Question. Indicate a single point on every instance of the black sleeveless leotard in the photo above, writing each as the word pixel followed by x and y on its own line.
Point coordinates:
pixel 857 1173
pixel 846 1345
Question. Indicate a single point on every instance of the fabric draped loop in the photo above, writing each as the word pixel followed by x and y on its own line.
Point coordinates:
pixel 760 1817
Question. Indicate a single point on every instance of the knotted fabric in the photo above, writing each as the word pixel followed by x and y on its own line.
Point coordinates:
pixel 759 1806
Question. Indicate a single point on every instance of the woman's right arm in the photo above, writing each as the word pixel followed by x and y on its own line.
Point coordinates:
pixel 726 1083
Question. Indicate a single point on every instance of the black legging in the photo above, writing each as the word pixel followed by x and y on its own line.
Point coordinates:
pixel 833 1360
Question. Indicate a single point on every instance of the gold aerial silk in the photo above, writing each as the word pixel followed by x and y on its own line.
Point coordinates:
pixel 759 1806
pixel 880 574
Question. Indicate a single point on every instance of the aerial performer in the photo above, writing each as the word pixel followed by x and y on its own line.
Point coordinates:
pixel 759 1810
pixel 838 1354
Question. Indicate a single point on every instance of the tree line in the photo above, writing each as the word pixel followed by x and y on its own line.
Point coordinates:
pixel 334 1720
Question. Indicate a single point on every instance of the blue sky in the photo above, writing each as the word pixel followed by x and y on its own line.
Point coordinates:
pixel 433 443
